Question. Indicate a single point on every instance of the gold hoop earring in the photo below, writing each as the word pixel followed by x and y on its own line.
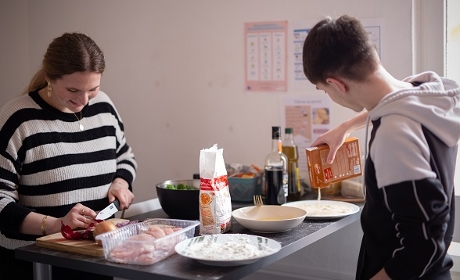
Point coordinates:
pixel 49 89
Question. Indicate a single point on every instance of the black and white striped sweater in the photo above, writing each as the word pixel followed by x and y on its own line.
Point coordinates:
pixel 47 164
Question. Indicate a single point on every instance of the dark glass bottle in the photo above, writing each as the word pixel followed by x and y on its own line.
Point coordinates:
pixel 276 176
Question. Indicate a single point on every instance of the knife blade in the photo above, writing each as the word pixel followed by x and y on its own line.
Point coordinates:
pixel 108 211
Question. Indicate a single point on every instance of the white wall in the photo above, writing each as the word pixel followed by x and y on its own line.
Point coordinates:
pixel 175 69
pixel 453 40
pixel 453 72
pixel 453 58
pixel 14 54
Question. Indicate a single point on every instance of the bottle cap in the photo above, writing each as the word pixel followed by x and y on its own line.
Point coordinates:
pixel 289 130
pixel 276 132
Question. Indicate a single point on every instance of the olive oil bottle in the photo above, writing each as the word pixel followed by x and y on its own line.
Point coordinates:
pixel 292 154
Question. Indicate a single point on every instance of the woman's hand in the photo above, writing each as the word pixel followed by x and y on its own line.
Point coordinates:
pixel 79 216
pixel 120 189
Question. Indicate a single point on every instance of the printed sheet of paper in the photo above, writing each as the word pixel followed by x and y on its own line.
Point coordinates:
pixel 309 117
pixel 266 56
pixel 298 31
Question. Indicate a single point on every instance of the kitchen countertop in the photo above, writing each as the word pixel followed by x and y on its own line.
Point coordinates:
pixel 179 267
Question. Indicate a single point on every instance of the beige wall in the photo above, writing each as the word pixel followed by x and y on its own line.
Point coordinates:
pixel 14 54
pixel 175 69
pixel 453 41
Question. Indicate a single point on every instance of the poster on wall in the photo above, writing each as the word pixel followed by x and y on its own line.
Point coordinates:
pixel 309 117
pixel 298 31
pixel 266 56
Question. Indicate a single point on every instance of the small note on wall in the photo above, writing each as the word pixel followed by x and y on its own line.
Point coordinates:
pixel 309 116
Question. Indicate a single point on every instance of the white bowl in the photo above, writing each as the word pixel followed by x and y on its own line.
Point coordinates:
pixel 269 218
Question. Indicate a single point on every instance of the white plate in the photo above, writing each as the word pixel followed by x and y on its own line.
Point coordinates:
pixel 325 209
pixel 225 249
pixel 269 218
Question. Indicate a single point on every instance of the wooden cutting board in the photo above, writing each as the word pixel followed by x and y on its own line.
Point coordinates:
pixel 84 247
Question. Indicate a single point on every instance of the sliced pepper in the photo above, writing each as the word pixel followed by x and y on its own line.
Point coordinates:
pixel 69 233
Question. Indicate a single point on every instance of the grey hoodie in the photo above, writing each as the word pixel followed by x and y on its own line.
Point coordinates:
pixel 408 216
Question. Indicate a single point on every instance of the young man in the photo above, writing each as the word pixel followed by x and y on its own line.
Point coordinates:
pixel 408 217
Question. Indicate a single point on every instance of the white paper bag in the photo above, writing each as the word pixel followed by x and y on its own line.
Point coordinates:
pixel 215 200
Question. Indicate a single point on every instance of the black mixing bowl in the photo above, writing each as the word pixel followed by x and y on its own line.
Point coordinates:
pixel 179 203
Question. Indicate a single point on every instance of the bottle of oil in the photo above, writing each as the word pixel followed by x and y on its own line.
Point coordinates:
pixel 276 176
pixel 292 154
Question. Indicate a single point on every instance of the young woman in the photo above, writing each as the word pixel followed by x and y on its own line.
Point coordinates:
pixel 64 154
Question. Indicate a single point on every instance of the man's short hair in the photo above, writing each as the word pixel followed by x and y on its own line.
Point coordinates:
pixel 338 48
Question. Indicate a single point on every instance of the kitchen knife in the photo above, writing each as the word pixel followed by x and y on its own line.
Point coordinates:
pixel 108 211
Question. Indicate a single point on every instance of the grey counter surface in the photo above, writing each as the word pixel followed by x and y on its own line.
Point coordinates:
pixel 178 267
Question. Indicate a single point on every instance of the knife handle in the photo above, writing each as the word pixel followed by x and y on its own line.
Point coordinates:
pixel 116 202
